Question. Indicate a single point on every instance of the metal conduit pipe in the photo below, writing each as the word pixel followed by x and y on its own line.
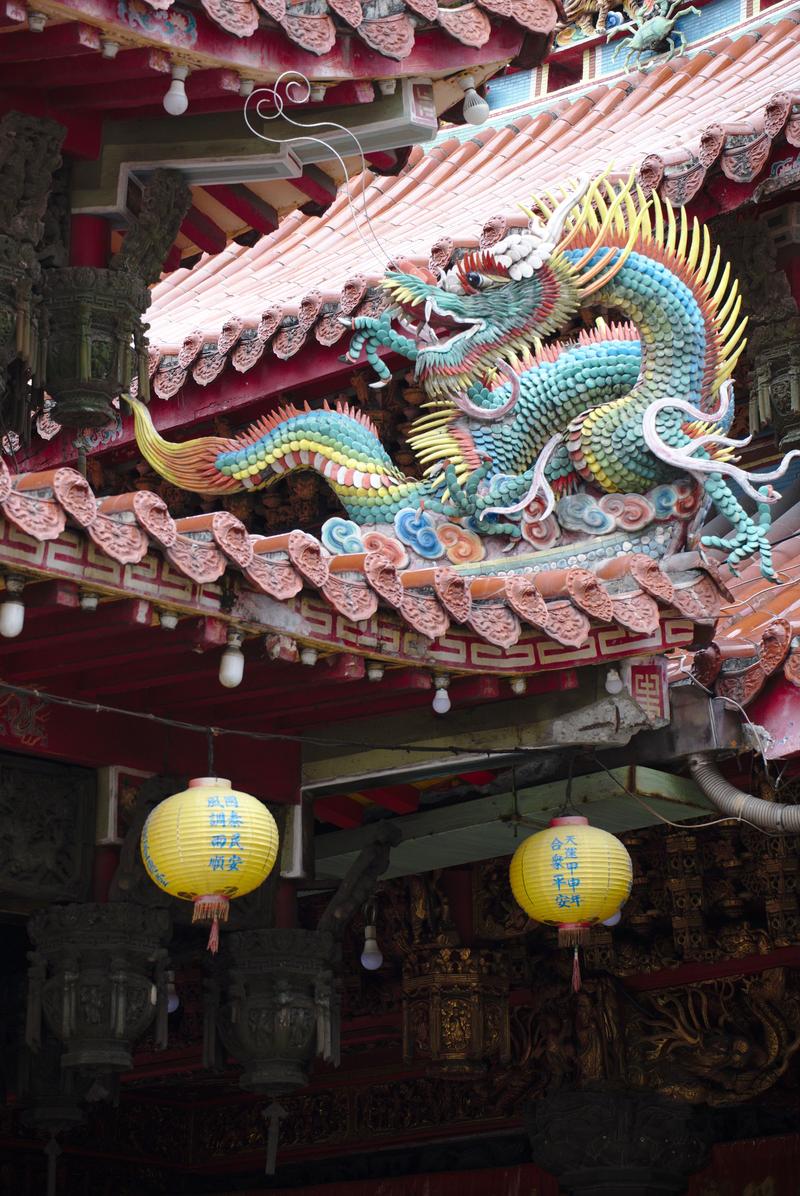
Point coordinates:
pixel 769 816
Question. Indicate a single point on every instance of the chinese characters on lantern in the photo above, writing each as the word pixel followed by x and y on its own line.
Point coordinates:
pixel 566 871
pixel 223 815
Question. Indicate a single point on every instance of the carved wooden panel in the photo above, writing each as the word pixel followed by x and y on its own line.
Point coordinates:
pixel 47 815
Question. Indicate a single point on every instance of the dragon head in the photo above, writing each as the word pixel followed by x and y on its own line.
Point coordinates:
pixel 491 307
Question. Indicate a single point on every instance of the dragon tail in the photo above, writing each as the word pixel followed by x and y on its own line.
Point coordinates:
pixel 191 465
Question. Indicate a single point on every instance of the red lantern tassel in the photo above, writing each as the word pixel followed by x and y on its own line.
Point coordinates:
pixel 576 971
pixel 214 908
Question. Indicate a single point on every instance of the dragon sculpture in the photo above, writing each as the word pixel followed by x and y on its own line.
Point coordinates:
pixel 531 435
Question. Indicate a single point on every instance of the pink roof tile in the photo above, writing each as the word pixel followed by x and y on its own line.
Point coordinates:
pixel 659 121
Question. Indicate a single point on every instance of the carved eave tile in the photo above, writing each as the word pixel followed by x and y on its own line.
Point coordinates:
pixel 422 610
pixel 566 625
pixel 346 589
pixel 228 533
pixel 195 555
pixel 272 572
pixel 29 504
pixel 467 24
pixel 392 36
pixel 317 34
pixel 495 622
pixel 248 351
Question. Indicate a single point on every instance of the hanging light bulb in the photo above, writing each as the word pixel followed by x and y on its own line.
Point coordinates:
pixel 475 110
pixel 441 698
pixel 614 683
pixel 371 954
pixel 173 1000
pixel 231 665
pixel 176 101
pixel 12 609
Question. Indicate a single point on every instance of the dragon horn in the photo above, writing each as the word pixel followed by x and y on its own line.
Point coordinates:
pixel 555 225
pixel 189 466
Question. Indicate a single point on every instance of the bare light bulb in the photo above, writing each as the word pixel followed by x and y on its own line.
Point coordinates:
pixel 231 664
pixel 12 617
pixel 173 1000
pixel 176 101
pixel 441 701
pixel 476 111
pixel 614 683
pixel 12 609
pixel 371 956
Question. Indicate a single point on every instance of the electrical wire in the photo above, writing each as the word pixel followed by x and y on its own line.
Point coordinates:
pixel 213 732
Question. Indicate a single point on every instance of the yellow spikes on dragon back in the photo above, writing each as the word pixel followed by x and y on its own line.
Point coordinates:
pixel 617 215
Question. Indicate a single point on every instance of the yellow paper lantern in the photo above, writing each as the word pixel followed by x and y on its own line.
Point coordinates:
pixel 209 844
pixel 571 875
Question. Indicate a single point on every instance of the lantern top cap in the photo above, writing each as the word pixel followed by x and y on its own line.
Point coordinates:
pixel 570 820
pixel 222 782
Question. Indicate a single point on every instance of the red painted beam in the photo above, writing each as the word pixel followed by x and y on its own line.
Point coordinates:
pixel 245 204
pixel 56 41
pixel 75 627
pixel 128 64
pixel 341 811
pixel 382 159
pixel 204 635
pixel 54 654
pixel 317 185
pixel 138 93
pixel 92 739
pixel 402 799
pixel 265 683
pixel 203 232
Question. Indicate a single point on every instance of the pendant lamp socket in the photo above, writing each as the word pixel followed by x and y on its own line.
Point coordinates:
pixel 309 656
pixel 108 48
pixel 375 670
pixel 246 87
pixel 89 601
pixel 12 608
pixel 231 665
pixel 36 21
pixel 475 110
pixel 176 101
pixel 317 93
pixel 167 619
pixel 387 87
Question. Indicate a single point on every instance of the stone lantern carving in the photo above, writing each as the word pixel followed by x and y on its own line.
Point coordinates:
pixel 98 975
pixel 455 1008
pixel 280 1005
pixel 95 340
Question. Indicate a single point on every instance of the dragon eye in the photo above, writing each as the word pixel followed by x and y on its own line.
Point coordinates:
pixel 475 280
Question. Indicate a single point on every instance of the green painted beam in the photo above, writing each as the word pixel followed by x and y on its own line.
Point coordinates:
pixel 485 828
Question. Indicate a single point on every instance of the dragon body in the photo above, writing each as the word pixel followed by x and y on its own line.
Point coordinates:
pixel 515 418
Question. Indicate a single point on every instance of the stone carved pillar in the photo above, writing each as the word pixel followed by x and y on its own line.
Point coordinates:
pixel 623 1142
